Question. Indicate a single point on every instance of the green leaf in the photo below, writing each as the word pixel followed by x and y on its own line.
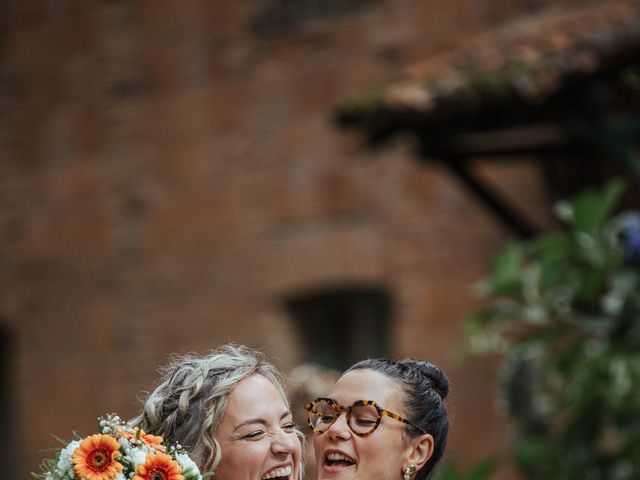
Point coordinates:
pixel 591 207
pixel 507 276
pixel 534 451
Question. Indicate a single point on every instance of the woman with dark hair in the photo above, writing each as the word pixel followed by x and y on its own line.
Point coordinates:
pixel 395 424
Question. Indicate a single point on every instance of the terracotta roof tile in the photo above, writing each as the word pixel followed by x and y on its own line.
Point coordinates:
pixel 527 60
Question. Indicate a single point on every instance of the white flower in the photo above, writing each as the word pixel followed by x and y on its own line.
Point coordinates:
pixel 186 461
pixel 138 455
pixel 189 467
pixel 120 476
pixel 65 464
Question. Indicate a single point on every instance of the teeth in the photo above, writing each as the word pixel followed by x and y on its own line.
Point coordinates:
pixel 335 456
pixel 278 472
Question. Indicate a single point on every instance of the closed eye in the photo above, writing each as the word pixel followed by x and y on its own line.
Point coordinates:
pixel 365 422
pixel 289 426
pixel 254 435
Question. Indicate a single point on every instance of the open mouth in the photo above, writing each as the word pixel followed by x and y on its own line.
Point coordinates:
pixel 280 473
pixel 335 459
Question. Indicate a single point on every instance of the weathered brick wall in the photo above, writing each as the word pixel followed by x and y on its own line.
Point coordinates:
pixel 170 173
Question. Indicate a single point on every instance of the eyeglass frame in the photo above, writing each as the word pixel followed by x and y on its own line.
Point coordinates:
pixel 340 408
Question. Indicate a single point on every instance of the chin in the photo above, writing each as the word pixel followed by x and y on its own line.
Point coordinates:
pixel 337 474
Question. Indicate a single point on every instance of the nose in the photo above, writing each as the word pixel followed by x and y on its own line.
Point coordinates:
pixel 285 443
pixel 339 428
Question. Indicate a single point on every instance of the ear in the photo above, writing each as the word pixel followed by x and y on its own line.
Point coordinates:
pixel 420 450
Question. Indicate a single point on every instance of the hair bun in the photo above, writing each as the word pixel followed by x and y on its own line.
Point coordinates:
pixel 434 374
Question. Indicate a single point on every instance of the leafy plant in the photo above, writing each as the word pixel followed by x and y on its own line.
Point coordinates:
pixel 564 310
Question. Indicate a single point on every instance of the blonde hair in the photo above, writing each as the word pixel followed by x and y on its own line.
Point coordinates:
pixel 192 396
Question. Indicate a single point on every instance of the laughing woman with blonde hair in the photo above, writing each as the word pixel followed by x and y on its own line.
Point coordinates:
pixel 229 410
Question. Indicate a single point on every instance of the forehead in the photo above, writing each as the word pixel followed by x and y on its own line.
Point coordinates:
pixel 367 384
pixel 254 396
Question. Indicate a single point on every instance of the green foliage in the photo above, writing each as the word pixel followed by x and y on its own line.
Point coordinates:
pixel 564 309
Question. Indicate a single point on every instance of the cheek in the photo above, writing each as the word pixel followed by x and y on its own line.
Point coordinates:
pixel 376 454
pixel 317 444
pixel 248 458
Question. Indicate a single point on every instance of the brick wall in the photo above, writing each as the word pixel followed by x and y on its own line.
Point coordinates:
pixel 170 173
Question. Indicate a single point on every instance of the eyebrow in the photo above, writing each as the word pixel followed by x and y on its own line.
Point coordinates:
pixel 261 421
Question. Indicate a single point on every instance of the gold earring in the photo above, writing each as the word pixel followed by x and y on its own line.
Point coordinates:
pixel 410 470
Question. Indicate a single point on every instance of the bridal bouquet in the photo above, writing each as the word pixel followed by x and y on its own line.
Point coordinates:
pixel 120 452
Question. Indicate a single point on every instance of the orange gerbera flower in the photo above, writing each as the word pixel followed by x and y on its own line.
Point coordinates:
pixel 146 438
pixel 159 466
pixel 95 458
